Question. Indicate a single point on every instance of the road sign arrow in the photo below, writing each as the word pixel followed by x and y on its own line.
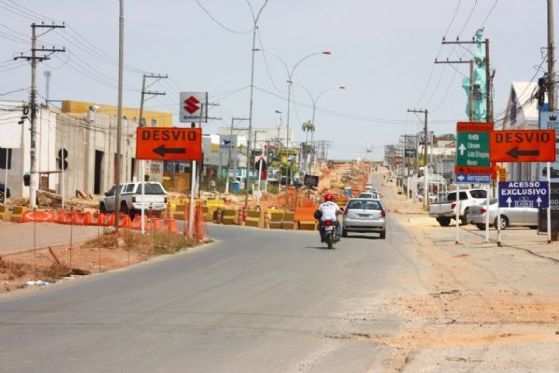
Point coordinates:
pixel 462 149
pixel 539 201
pixel 460 178
pixel 162 150
pixel 516 153
pixel 509 202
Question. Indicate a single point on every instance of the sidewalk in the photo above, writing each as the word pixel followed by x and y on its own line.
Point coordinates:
pixel 16 237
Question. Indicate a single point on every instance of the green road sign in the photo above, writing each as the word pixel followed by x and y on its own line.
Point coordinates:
pixel 472 149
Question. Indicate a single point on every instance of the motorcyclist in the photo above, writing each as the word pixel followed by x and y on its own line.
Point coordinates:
pixel 328 210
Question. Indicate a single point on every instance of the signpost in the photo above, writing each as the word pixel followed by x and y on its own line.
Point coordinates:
pixel 523 146
pixel 473 164
pixel 169 144
pixel 193 107
pixel 532 194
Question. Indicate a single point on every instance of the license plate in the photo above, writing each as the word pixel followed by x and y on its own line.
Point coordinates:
pixel 329 228
pixel 364 215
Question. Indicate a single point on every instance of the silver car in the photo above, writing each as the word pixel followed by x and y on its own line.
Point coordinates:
pixel 369 195
pixel 518 216
pixel 365 216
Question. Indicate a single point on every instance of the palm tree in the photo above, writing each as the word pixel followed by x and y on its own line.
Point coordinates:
pixel 307 127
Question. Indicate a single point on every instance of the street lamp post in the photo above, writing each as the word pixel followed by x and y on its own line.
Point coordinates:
pixel 256 19
pixel 290 74
pixel 315 100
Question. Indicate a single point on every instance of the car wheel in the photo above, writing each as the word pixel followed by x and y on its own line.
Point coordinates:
pixel 383 235
pixel 344 233
pixel 481 227
pixel 464 218
pixel 443 222
pixel 504 222
pixel 123 208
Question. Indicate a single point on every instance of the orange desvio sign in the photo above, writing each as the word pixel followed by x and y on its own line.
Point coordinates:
pixel 523 146
pixel 169 144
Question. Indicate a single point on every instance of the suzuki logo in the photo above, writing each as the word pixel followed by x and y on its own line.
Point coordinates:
pixel 191 105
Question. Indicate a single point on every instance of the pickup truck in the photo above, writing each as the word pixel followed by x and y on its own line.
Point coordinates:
pixel 154 198
pixel 444 212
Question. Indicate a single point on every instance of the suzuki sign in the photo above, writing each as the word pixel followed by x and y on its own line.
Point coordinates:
pixel 193 107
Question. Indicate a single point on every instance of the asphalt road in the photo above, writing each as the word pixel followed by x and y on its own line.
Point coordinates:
pixel 254 301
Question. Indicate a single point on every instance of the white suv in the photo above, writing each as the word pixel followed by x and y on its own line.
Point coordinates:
pixel 154 199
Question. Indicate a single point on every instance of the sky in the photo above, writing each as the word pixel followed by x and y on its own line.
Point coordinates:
pixel 381 51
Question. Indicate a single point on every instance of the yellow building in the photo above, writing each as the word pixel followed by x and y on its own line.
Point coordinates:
pixel 152 118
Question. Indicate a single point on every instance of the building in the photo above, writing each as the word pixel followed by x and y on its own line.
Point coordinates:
pixel 15 144
pixel 152 118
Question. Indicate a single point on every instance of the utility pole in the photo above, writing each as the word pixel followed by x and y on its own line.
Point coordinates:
pixel 425 112
pixel 37 55
pixel 118 164
pixel 145 93
pixel 488 74
pixel 552 94
pixel 471 92
pixel 142 123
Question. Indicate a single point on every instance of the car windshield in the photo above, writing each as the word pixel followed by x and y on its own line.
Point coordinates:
pixel 153 189
pixel 364 205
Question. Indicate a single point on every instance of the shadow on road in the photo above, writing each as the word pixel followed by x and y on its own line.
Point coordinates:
pixel 362 237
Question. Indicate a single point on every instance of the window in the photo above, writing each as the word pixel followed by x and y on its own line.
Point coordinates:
pixel 463 196
pixel 129 188
pixel 154 122
pixel 364 205
pixel 3 153
pixel 111 191
pixel 479 194
pixel 152 188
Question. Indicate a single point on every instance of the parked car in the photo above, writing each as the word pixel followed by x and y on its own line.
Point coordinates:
pixel 154 198
pixel 517 216
pixel 365 216
pixel 369 195
pixel 3 190
pixel 444 212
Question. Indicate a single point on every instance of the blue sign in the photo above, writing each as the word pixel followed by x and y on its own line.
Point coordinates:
pixel 533 194
pixel 472 179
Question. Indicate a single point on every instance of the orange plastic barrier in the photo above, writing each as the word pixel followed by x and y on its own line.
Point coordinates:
pixel 171 225
pixel 37 216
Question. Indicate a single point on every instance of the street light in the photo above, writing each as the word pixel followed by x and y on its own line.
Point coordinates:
pixel 255 19
pixel 290 74
pixel 315 100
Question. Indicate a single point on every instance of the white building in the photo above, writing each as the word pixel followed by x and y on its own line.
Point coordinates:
pixel 17 138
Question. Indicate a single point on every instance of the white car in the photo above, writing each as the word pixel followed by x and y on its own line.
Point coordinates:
pixel 153 200
pixel 510 217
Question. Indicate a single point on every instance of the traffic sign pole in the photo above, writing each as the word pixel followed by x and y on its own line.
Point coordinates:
pixel 143 186
pixel 457 214
pixel 549 204
pixel 487 205
pixel 498 213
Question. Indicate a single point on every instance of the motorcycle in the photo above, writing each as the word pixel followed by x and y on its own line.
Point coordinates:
pixel 330 233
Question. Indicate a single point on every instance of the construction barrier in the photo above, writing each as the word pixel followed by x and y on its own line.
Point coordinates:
pixel 253 218
pixel 17 214
pixel 229 216
pixel 289 220
pixel 304 216
pixel 276 219
pixel 4 213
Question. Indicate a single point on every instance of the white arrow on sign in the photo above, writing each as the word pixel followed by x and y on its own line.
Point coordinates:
pixel 539 201
pixel 460 177
pixel 509 202
pixel 462 149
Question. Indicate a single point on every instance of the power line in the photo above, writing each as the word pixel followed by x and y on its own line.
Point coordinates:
pixel 218 22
